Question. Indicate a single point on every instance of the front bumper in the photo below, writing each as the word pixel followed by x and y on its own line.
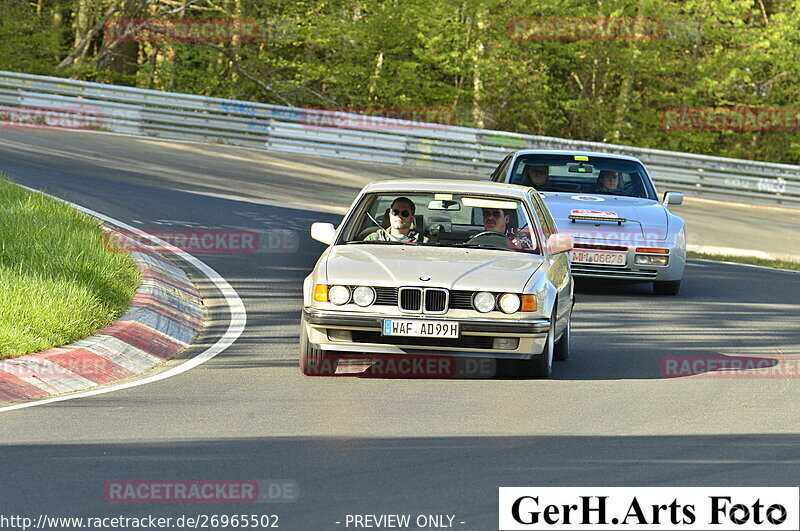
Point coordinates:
pixel 630 271
pixel 476 337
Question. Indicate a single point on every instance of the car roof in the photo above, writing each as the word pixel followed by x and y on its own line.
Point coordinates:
pixel 455 186
pixel 582 153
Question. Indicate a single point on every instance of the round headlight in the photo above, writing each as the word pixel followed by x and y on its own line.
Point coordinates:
pixel 483 301
pixel 339 295
pixel 363 295
pixel 509 302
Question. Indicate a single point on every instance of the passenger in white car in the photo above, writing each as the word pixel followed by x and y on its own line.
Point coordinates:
pixel 608 182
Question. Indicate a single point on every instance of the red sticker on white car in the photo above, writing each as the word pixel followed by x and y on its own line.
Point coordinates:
pixel 593 213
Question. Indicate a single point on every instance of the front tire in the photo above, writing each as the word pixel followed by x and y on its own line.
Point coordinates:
pixel 314 361
pixel 562 346
pixel 541 365
pixel 666 287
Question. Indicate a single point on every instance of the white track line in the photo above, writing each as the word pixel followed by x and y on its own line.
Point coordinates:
pixel 235 328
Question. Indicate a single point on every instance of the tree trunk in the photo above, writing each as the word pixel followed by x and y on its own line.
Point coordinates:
pixel 56 24
pixel 81 21
pixel 478 114
pixel 376 74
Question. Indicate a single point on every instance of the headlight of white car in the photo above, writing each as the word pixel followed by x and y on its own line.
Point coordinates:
pixel 509 302
pixel 339 295
pixel 363 295
pixel 483 301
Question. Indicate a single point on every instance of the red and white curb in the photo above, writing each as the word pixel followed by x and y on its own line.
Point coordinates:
pixel 164 316
pixel 236 323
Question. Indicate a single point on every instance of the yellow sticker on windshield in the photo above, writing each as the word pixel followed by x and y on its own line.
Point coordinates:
pixel 443 197
pixel 582 157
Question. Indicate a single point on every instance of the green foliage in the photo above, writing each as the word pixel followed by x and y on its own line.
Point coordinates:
pixel 465 55
pixel 28 42
pixel 58 281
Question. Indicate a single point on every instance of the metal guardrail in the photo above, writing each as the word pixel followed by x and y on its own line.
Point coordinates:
pixel 361 137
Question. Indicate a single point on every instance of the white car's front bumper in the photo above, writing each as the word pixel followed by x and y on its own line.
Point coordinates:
pixel 631 270
pixel 361 333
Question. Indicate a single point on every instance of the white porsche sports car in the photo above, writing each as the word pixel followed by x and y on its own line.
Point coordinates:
pixel 610 205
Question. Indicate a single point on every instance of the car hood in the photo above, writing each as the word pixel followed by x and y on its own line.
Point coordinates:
pixel 451 268
pixel 646 219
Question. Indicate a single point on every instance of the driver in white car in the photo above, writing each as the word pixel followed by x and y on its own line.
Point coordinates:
pixel 497 220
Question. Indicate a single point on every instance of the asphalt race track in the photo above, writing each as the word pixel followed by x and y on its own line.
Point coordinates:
pixel 608 417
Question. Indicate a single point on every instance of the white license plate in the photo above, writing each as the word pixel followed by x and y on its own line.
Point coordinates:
pixel 400 327
pixel 598 257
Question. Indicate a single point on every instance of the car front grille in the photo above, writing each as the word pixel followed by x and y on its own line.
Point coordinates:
pixel 435 300
pixel 411 299
pixel 438 301
pixel 461 300
pixel 423 300
pixel 386 296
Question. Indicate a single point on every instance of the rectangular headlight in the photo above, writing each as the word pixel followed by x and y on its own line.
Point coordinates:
pixel 644 259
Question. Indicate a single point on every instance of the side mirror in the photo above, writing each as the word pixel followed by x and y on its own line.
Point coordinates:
pixel 323 232
pixel 673 198
pixel 559 242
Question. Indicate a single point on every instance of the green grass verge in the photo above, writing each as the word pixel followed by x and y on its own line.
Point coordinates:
pixel 58 282
pixel 766 262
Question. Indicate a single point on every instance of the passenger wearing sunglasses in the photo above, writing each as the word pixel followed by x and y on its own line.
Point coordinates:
pixel 401 222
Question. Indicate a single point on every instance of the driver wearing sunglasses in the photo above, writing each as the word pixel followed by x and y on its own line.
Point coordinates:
pixel 401 222
pixel 497 220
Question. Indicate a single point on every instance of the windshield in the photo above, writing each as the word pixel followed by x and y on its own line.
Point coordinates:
pixel 582 174
pixel 442 220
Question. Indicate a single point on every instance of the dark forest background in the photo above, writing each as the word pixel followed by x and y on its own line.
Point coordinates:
pixel 468 56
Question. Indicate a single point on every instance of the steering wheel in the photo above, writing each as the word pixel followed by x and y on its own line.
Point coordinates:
pixel 489 238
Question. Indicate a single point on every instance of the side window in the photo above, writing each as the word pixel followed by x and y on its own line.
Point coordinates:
pixel 547 221
pixel 499 173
